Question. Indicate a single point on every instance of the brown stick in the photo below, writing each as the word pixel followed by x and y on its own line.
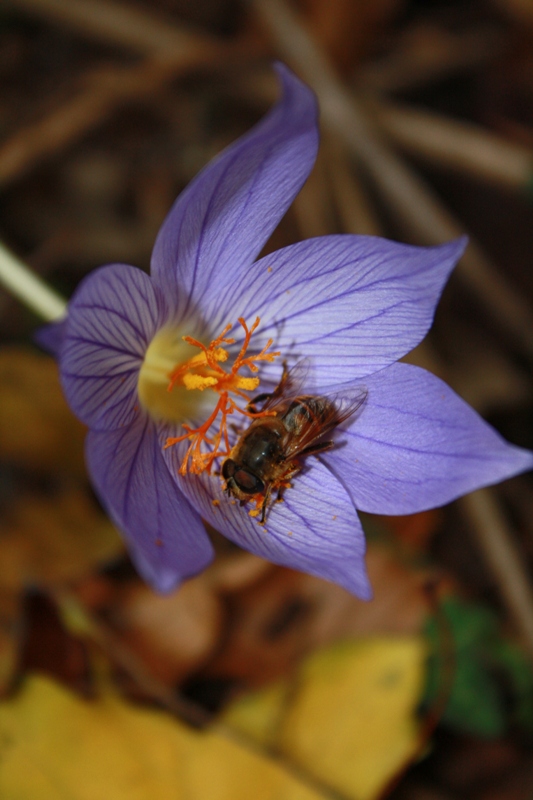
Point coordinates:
pixel 172 50
pixel 312 207
pixel 459 145
pixel 498 547
pixel 425 53
pixel 410 199
pixel 353 205
pixel 76 116
pixel 123 25
pixel 103 90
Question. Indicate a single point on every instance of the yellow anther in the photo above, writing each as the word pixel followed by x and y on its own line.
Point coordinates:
pixel 191 381
pixel 248 384
pixel 220 354
pixel 202 359
pixel 198 360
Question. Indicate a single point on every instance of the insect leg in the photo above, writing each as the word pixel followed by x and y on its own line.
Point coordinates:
pixel 278 391
pixel 264 504
pixel 293 468
pixel 279 496
pixel 260 398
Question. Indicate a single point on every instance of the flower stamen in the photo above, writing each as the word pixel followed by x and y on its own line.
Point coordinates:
pixel 204 371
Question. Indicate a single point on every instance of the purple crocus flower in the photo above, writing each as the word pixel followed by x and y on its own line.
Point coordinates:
pixel 350 305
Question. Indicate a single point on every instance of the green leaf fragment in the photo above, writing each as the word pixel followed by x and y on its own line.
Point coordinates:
pixel 484 681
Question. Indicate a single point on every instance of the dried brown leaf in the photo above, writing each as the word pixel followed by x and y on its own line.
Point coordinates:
pixel 37 429
pixel 286 614
pixel 50 539
pixel 172 634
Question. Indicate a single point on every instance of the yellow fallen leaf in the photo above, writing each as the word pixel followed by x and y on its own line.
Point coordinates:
pixel 56 746
pixel 349 717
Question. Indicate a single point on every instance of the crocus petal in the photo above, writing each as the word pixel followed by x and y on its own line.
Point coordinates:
pixel 354 304
pixel 50 337
pixel 315 529
pixel 417 445
pixel 219 224
pixel 165 536
pixel 112 318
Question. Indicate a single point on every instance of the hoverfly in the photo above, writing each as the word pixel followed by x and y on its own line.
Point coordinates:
pixel 269 452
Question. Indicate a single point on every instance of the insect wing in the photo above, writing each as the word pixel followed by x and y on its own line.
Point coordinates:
pixel 290 386
pixel 297 378
pixel 348 402
pixel 322 414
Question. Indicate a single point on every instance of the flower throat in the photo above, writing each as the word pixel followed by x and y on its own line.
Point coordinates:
pixel 188 376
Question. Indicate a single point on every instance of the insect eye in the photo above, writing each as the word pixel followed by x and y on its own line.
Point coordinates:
pixel 228 468
pixel 248 482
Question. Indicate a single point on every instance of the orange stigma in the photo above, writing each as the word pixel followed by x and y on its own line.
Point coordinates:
pixel 204 371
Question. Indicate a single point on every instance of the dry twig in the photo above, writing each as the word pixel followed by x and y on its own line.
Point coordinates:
pixel 123 25
pixel 425 53
pixel 497 545
pixel 458 145
pixel 353 205
pixel 313 207
pixel 408 197
pixel 87 109
pixel 171 51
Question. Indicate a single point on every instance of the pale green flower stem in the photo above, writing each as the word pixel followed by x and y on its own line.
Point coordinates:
pixel 29 288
